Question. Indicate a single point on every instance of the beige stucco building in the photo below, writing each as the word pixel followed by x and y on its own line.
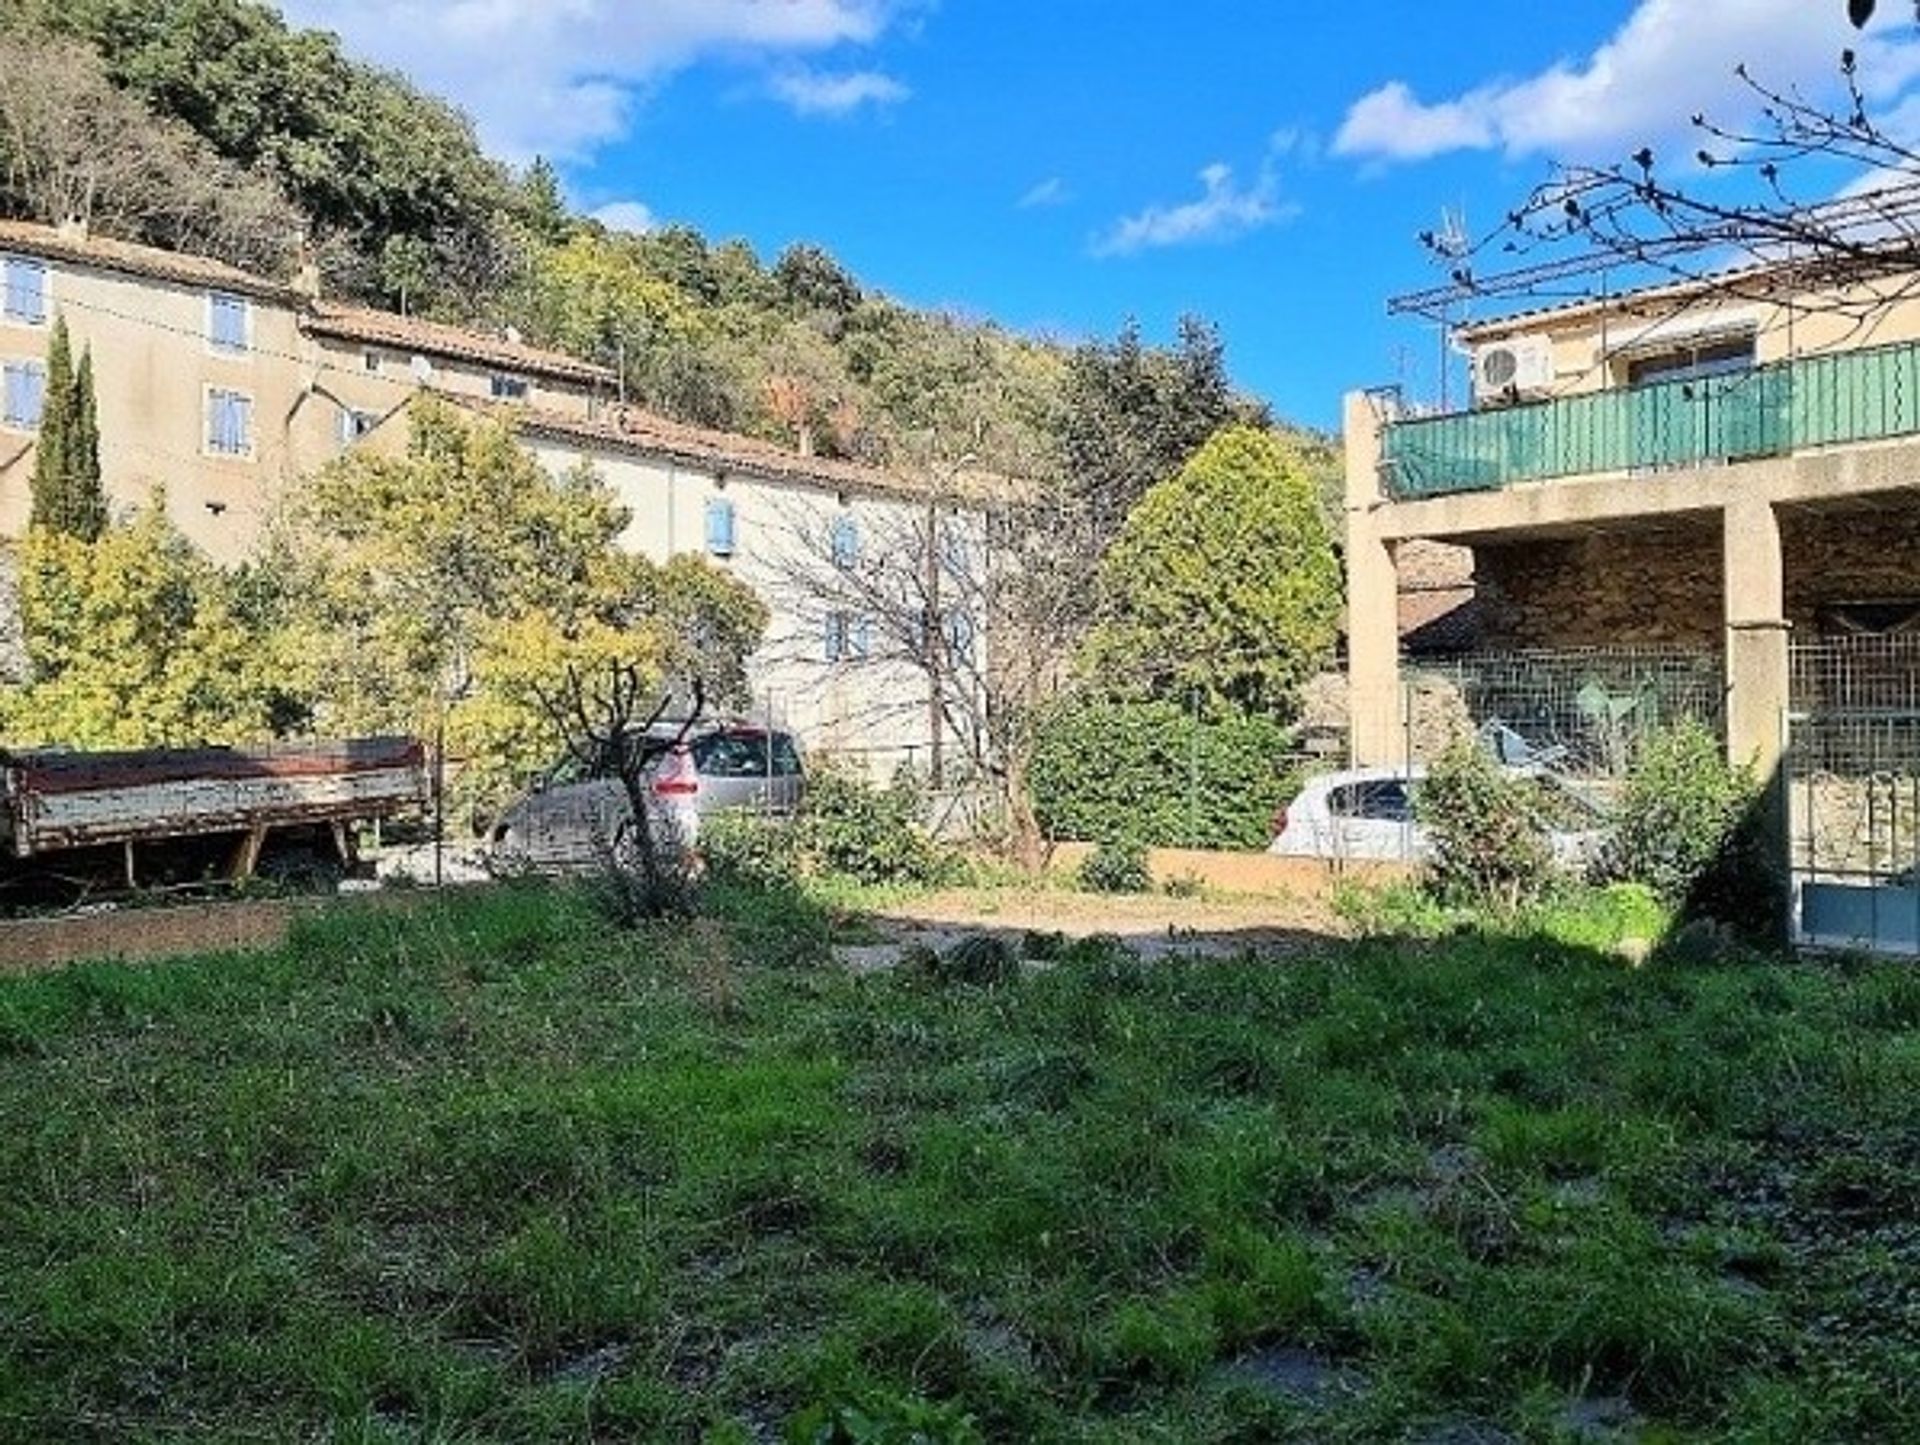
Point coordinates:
pixel 224 388
pixel 848 558
pixel 1727 465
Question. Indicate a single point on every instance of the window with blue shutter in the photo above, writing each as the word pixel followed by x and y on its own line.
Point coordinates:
pixel 720 527
pixel 846 544
pixel 229 423
pixel 838 636
pixel 26 290
pixel 227 322
pixel 26 394
pixel 508 388
pixel 959 633
pixel 862 638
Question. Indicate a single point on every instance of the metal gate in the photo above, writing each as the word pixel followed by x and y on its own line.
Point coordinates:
pixel 1853 791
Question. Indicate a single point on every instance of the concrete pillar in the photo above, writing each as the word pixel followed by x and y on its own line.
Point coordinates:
pixel 1376 726
pixel 1757 670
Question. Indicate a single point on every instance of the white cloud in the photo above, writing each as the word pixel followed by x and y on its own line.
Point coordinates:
pixel 1050 192
pixel 560 77
pixel 813 93
pixel 630 216
pixel 1671 60
pixel 1223 212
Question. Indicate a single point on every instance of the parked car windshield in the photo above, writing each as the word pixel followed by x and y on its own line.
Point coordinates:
pixel 742 753
pixel 1382 800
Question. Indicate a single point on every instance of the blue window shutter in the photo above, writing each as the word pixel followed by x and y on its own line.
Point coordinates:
pixel 846 543
pixel 720 527
pixel 227 317
pixel 26 290
pixel 229 423
pixel 26 394
pixel 960 635
pixel 836 638
pixel 863 637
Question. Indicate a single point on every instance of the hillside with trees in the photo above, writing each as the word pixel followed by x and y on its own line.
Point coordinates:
pixel 214 127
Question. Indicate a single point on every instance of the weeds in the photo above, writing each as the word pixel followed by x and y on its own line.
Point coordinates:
pixel 489 1170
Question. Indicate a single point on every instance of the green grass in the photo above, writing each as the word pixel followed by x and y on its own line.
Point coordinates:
pixel 490 1171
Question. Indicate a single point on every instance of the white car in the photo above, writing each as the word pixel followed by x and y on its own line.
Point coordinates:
pixel 1370 815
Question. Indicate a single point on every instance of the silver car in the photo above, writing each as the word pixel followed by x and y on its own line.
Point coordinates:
pixel 573 815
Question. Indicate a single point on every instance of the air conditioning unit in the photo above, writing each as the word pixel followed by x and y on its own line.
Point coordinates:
pixel 1517 368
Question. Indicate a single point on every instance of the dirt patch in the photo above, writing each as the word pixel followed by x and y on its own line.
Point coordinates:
pixel 150 933
pixel 1153 925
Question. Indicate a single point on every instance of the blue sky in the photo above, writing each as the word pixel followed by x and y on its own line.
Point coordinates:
pixel 1060 165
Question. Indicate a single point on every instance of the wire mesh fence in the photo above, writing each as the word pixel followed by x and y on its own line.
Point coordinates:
pixel 1583 712
pixel 1853 787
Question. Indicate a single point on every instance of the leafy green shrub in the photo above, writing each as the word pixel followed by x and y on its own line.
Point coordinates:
pixel 742 847
pixel 871 835
pixel 1688 827
pixel 981 961
pixel 881 1417
pixel 1487 830
pixel 1148 770
pixel 1118 867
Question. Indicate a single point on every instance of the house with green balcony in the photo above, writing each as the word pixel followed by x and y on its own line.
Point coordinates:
pixel 1727 466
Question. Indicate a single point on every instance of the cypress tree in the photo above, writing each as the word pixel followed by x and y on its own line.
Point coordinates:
pixel 52 459
pixel 66 490
pixel 88 498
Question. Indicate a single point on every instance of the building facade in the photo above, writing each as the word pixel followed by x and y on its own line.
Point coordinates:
pixel 850 559
pixel 1724 465
pixel 222 389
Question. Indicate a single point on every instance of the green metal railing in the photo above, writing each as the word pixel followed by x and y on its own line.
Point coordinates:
pixel 1767 411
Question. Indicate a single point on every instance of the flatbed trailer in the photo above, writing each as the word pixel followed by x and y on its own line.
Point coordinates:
pixel 169 813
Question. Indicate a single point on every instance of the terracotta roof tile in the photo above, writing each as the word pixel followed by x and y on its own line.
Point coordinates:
pixel 106 254
pixel 434 338
pixel 646 434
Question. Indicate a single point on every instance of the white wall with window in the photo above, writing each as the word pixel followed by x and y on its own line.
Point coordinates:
pixel 843 678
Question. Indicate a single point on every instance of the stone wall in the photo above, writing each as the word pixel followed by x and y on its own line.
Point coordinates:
pixel 13 647
pixel 1845 555
pixel 1654 586
pixel 1660 586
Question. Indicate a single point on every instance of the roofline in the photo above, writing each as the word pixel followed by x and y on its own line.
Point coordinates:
pixel 532 361
pixel 49 243
pixel 1805 273
pixel 804 471
pixel 129 258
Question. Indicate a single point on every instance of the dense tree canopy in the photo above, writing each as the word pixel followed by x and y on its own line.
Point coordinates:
pixel 1133 415
pixel 1223 584
pixel 364 156
pixel 136 640
pixel 459 575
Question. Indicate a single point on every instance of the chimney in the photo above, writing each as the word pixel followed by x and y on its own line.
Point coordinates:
pixel 306 281
pixel 75 228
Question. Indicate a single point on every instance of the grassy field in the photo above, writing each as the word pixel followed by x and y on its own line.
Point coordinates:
pixel 490 1171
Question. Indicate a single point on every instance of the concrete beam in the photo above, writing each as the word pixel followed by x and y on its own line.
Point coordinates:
pixel 1574 504
pixel 1757 634
pixel 1376 736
